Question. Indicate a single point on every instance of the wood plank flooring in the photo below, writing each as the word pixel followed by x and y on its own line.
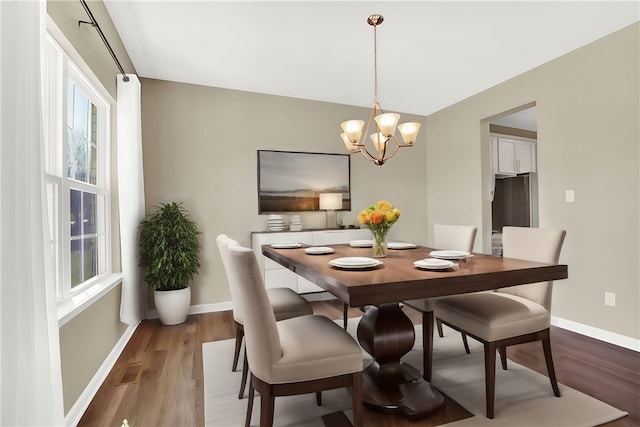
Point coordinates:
pixel 170 390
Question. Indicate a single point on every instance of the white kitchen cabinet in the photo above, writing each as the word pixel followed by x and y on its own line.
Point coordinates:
pixel 276 275
pixel 514 156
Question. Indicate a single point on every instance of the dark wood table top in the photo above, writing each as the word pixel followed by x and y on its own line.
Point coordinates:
pixel 398 280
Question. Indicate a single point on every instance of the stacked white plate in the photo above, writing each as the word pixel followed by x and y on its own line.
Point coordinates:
pixel 355 262
pixel 400 245
pixel 433 264
pixel 361 243
pixel 275 223
pixel 449 254
pixel 295 224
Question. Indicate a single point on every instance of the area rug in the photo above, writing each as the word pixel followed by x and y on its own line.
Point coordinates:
pixel 523 397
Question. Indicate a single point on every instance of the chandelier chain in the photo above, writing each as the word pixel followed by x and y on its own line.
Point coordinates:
pixel 375 65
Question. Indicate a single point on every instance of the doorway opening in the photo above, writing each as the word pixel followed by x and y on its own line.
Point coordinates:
pixel 513 172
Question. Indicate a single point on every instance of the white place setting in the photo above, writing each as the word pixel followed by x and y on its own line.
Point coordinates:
pixel 355 262
pixel 401 245
pixel 433 264
pixel 286 245
pixel 319 250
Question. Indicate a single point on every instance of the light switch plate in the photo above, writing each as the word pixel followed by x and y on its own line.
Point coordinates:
pixel 569 196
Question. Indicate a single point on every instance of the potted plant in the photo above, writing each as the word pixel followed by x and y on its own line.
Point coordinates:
pixel 169 251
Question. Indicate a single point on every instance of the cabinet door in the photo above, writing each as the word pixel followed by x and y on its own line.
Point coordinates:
pixel 330 237
pixel 525 157
pixel 280 278
pixel 506 156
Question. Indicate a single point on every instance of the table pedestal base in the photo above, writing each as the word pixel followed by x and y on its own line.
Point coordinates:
pixel 414 398
pixel 389 385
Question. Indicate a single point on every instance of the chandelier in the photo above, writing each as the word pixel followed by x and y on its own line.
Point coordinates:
pixel 383 138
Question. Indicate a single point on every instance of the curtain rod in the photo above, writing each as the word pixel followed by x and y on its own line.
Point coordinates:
pixel 94 24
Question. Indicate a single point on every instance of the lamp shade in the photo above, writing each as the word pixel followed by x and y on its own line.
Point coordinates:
pixel 409 131
pixel 330 201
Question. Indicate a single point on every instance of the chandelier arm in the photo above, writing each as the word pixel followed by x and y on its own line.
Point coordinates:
pixel 366 154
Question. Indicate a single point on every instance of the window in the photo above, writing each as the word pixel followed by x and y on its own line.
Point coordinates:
pixel 76 124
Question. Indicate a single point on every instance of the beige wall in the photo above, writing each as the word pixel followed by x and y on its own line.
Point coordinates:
pixel 87 339
pixel 588 140
pixel 81 352
pixel 200 146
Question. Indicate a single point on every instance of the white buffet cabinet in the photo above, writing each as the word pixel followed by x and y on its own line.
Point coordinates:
pixel 276 275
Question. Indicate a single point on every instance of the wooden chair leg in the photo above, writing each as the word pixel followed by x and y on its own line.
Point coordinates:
pixel 319 398
pixel 546 346
pixel 356 398
pixel 247 421
pixel 245 371
pixel 503 357
pixel 267 403
pixel 490 376
pixel 427 344
pixel 239 336
pixel 439 325
pixel 466 343
pixel 345 315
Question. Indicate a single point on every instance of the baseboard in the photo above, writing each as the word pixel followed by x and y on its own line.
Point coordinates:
pixel 599 334
pixel 72 418
pixel 199 309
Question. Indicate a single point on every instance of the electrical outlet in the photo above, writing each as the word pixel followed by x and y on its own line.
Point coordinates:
pixel 610 299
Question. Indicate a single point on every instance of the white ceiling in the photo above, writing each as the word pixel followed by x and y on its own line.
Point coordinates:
pixel 431 54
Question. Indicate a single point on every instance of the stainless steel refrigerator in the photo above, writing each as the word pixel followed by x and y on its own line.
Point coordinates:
pixel 513 203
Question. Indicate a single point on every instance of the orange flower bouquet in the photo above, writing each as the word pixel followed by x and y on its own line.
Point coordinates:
pixel 379 218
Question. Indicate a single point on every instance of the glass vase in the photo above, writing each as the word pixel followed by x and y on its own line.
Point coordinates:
pixel 379 245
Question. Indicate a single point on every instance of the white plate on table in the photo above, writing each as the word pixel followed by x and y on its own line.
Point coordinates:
pixel 319 250
pixel 433 264
pixel 361 243
pixel 400 245
pixel 355 262
pixel 285 245
pixel 449 254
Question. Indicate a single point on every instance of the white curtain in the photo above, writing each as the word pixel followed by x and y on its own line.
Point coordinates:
pixel 131 196
pixel 30 356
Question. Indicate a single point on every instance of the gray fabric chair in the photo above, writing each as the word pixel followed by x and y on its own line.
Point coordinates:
pixel 446 237
pixel 284 301
pixel 300 355
pixel 512 315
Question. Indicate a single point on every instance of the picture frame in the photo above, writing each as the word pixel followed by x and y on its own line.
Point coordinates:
pixel 292 181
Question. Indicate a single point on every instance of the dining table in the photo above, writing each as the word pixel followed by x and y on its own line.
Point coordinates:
pixel 385 331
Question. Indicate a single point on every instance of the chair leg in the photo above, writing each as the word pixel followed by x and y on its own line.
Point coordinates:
pixel 466 343
pixel 503 357
pixel 345 315
pixel 245 371
pixel 319 398
pixel 546 346
pixel 247 421
pixel 239 336
pixel 267 401
pixel 356 398
pixel 490 376
pixel 427 344
pixel 439 325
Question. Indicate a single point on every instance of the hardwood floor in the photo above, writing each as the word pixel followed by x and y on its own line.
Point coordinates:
pixel 166 361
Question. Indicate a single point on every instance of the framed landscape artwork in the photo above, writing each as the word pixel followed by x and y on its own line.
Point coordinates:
pixel 291 181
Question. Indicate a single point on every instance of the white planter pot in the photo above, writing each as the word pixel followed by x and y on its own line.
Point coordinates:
pixel 172 306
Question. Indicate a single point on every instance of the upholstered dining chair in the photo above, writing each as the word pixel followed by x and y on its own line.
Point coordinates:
pixel 285 303
pixel 445 237
pixel 512 315
pixel 300 355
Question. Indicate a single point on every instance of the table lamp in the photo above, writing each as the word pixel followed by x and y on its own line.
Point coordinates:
pixel 331 202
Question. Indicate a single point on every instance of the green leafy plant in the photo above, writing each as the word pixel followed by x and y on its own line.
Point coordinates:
pixel 169 248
